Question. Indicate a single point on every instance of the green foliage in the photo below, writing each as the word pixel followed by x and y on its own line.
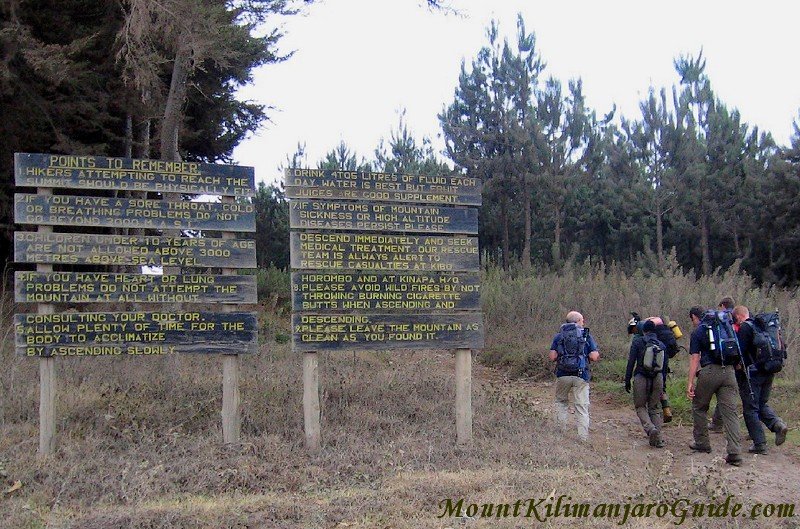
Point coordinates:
pixel 273 284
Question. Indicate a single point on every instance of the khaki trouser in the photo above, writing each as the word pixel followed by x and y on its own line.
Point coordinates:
pixel 647 401
pixel 580 395
pixel 717 380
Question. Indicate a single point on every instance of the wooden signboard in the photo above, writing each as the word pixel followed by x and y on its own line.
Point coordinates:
pixel 106 287
pixel 97 334
pixel 376 252
pixel 100 172
pixel 63 210
pixel 320 332
pixel 341 215
pixel 382 187
pixel 135 250
pixel 384 292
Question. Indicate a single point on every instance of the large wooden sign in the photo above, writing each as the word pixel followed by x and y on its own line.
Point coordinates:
pixel 106 287
pixel 136 250
pixel 319 332
pixel 98 334
pixel 370 251
pixel 382 187
pixel 100 172
pixel 109 212
pixel 384 292
pixel 341 215
pixel 135 333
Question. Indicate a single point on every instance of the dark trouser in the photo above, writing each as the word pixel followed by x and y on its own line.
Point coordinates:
pixel 716 380
pixel 716 418
pixel 756 409
pixel 647 401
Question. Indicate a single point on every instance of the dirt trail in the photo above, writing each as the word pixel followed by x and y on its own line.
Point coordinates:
pixel 771 478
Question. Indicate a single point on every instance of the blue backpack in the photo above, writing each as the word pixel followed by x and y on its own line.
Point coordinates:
pixel 571 349
pixel 720 337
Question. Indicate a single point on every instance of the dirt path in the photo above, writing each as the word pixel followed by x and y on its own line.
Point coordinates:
pixel 773 478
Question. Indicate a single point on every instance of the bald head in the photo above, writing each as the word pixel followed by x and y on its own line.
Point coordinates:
pixel 740 313
pixel 574 317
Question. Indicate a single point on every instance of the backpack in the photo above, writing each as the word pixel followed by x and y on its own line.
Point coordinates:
pixel 667 337
pixel 571 347
pixel 720 337
pixel 653 357
pixel 768 342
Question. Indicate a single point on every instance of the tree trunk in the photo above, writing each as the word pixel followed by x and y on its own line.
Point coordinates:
pixel 506 243
pixel 173 109
pixel 704 242
pixel 557 239
pixel 526 248
pixel 659 233
pixel 128 136
pixel 143 144
pixel 736 247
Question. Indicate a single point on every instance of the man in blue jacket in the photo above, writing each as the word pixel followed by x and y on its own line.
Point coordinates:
pixel 573 349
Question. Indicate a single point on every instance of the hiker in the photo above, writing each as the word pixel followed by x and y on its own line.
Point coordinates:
pixel 727 303
pixel 711 368
pixel 756 407
pixel 572 350
pixel 646 364
pixel 666 335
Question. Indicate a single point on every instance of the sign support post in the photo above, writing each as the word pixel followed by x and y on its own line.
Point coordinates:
pixel 47 371
pixel 311 400
pixel 464 396
pixel 231 398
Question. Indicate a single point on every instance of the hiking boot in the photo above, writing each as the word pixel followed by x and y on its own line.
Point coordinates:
pixel 734 459
pixel 780 434
pixel 698 448
pixel 660 443
pixel 758 449
pixel 654 437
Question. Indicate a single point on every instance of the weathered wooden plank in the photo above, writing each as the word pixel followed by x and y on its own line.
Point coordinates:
pixel 324 332
pixel 385 292
pixel 364 216
pixel 135 333
pixel 105 287
pixel 135 250
pixel 412 253
pixel 62 210
pixel 382 187
pixel 126 174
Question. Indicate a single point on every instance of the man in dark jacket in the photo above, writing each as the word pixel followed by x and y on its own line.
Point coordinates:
pixel 755 407
pixel 647 384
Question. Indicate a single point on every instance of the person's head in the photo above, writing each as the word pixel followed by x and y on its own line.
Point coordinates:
pixel 726 303
pixel 696 314
pixel 575 317
pixel 649 326
pixel 740 313
pixel 656 320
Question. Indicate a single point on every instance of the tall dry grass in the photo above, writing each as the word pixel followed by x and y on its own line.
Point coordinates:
pixel 523 311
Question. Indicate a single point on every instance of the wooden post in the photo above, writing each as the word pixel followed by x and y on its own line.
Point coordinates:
pixel 47 372
pixel 311 400
pixel 231 400
pixel 464 395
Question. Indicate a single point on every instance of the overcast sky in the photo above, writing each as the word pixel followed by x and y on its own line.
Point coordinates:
pixel 359 63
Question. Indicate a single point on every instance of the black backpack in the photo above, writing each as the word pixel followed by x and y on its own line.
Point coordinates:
pixel 720 337
pixel 768 341
pixel 571 347
pixel 652 362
